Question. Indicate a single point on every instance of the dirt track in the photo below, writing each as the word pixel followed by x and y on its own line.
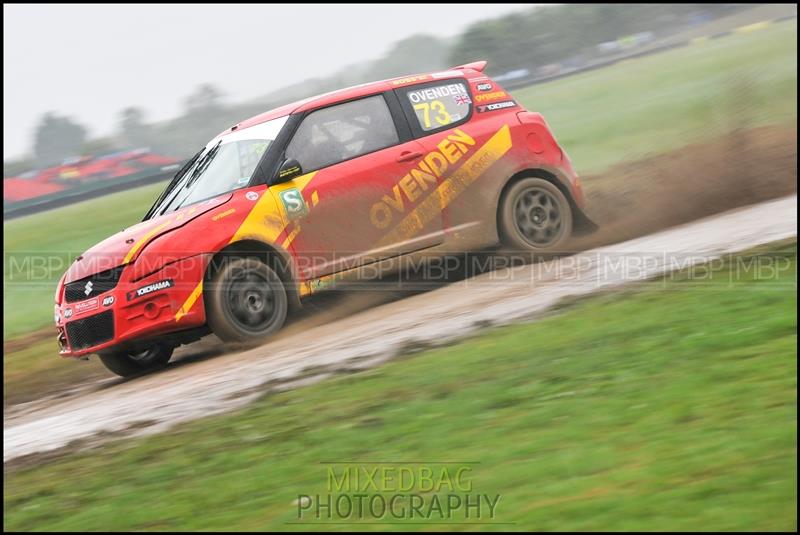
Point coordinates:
pixel 153 403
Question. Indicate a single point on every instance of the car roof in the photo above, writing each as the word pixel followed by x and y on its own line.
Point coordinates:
pixel 356 91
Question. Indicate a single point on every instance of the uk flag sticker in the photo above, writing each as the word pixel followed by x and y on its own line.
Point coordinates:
pixel 462 99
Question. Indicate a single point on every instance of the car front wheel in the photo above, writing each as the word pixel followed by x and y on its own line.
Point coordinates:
pixel 245 301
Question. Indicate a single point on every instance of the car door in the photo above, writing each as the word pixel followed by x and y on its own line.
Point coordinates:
pixel 357 186
pixel 448 121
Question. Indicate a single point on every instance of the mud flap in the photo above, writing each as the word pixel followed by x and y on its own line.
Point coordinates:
pixel 581 224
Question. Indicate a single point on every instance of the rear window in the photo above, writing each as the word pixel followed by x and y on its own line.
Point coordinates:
pixel 438 105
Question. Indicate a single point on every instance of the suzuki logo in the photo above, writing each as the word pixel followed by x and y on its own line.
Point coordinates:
pixel 88 288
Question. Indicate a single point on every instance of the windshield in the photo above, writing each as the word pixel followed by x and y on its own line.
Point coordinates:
pixel 225 164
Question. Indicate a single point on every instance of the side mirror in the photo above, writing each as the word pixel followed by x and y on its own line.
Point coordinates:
pixel 289 169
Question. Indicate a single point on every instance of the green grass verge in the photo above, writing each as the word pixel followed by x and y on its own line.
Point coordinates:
pixel 665 101
pixel 672 407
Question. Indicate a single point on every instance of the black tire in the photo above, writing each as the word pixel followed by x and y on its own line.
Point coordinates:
pixel 245 301
pixel 130 363
pixel 534 216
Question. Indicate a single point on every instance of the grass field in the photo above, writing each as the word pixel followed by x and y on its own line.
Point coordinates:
pixel 671 406
pixel 646 105
pixel 668 100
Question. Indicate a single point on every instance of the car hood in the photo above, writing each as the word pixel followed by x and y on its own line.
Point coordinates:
pixel 123 247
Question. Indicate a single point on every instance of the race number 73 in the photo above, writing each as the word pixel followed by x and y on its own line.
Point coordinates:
pixel 437 107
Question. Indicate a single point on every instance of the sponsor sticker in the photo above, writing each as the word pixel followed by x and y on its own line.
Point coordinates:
pixel 494 95
pixel 108 300
pixel 410 190
pixel 289 171
pixel 437 92
pixel 85 306
pixel 410 80
pixel 223 214
pixel 150 288
pixel 251 196
pixel 294 203
pixel 484 87
pixel 496 106
pixel 68 313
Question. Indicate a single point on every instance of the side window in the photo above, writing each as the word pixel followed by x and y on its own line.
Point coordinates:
pixel 437 106
pixel 338 133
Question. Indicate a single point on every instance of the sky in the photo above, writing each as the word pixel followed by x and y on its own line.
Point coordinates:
pixel 89 61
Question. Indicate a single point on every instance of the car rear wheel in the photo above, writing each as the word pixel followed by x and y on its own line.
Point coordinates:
pixel 534 215
pixel 127 363
pixel 245 301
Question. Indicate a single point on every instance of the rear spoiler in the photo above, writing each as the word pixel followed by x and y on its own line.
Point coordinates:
pixel 475 66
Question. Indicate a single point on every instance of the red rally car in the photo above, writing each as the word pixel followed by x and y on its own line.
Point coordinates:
pixel 280 205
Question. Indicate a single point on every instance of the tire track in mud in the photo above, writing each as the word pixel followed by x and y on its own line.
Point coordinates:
pixel 368 338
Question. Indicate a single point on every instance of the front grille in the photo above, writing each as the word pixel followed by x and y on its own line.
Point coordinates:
pixel 91 331
pixel 92 285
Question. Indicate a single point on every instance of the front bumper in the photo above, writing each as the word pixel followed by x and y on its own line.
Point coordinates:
pixel 167 301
